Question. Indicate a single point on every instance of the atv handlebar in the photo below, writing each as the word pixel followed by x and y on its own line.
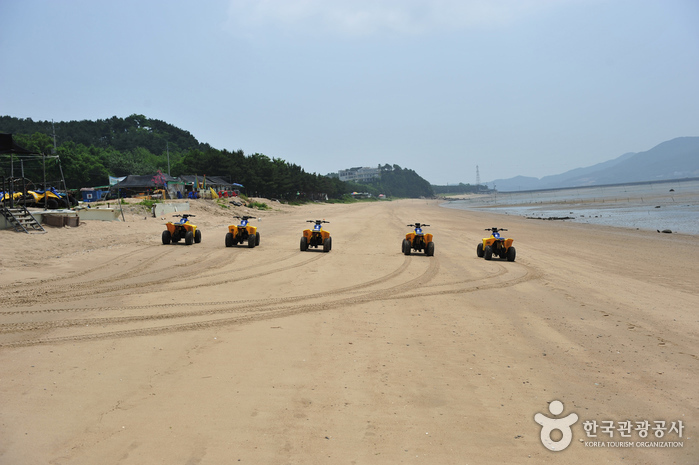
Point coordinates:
pixel 418 225
pixel 245 217
pixel 495 229
pixel 185 215
pixel 317 221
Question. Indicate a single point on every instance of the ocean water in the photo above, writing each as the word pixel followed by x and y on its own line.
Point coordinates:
pixel 654 206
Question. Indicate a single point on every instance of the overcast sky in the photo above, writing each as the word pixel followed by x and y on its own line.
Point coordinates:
pixel 517 87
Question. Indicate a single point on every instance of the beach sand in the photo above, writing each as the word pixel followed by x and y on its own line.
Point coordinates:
pixel 115 348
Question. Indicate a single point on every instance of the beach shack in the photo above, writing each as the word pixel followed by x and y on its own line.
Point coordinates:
pixel 93 194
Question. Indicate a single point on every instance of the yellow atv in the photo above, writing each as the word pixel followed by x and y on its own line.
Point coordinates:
pixel 50 198
pixel 243 232
pixel 316 237
pixel 418 241
pixel 182 229
pixel 496 245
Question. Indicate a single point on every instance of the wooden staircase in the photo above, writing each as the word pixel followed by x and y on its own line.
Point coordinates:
pixel 20 219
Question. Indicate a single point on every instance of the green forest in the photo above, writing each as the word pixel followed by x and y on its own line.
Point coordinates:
pixel 91 151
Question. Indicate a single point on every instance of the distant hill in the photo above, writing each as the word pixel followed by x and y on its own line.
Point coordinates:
pixel 91 151
pixel 674 159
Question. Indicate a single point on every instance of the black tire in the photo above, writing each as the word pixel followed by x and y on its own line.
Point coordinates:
pixel 304 244
pixel 511 254
pixel 73 201
pixel 188 238
pixel 52 204
pixel 229 239
pixel 197 236
pixel 331 242
pixel 479 250
pixel 488 253
pixel 326 245
pixel 403 245
pixel 257 239
pixel 406 247
pixel 167 237
pixel 429 250
pixel 251 242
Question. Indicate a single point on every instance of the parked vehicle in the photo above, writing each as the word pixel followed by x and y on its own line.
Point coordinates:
pixel 243 232
pixel 182 229
pixel 418 240
pixel 316 237
pixel 496 245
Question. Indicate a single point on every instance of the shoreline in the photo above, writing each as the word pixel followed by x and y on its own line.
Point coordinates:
pixel 623 206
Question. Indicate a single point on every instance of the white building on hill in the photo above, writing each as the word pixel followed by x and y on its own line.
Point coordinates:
pixel 359 174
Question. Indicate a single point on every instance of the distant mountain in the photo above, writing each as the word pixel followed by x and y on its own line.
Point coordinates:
pixel 675 159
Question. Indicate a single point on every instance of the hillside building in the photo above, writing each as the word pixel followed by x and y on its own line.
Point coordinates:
pixel 359 174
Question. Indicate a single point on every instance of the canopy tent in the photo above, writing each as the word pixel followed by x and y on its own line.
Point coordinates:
pixel 133 181
pixel 136 184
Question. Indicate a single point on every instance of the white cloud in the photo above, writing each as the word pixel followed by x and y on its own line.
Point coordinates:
pixel 367 17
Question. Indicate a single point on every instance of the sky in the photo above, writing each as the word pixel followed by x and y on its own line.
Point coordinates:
pixel 515 87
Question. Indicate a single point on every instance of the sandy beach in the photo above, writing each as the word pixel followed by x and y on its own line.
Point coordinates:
pixel 117 349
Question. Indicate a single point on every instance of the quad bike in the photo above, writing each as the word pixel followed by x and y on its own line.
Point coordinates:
pixel 50 198
pixel 243 232
pixel 316 237
pixel 418 241
pixel 182 229
pixel 496 245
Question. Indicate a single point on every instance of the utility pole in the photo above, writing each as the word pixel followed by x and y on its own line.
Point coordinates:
pixel 167 148
pixel 53 126
pixel 478 180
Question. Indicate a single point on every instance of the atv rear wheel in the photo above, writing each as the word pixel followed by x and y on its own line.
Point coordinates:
pixel 251 242
pixel 488 252
pixel 479 250
pixel 167 237
pixel 257 239
pixel 429 250
pixel 197 236
pixel 188 238
pixel 229 239
pixel 511 253
pixel 304 244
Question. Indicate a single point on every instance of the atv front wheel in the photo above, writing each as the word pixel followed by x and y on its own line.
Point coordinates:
pixel 304 244
pixel 167 237
pixel 488 252
pixel 429 251
pixel 257 239
pixel 406 246
pixel 326 245
pixel 511 253
pixel 197 236
pixel 229 239
pixel 188 238
pixel 251 242
pixel 479 250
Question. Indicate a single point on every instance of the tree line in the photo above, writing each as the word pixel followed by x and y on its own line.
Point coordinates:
pixel 91 151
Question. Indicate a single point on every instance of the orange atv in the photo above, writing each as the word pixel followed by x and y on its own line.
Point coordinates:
pixel 316 237
pixel 243 232
pixel 496 245
pixel 182 229
pixel 418 241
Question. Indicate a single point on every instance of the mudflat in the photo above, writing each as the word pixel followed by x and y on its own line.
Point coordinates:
pixel 115 348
